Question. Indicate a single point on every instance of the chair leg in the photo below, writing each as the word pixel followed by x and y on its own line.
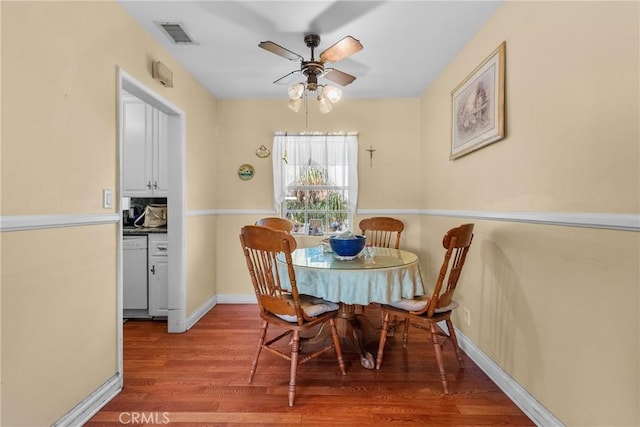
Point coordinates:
pixel 383 339
pixel 263 333
pixel 337 346
pixel 438 352
pixel 393 323
pixel 454 340
pixel 405 333
pixel 295 348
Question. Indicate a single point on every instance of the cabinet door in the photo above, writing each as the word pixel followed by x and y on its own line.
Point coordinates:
pixel 160 154
pixel 159 287
pixel 137 139
pixel 158 275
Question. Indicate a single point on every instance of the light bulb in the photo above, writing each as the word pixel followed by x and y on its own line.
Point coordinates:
pixel 332 93
pixel 295 104
pixel 295 91
pixel 324 105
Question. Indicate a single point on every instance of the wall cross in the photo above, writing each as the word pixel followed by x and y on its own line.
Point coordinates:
pixel 371 150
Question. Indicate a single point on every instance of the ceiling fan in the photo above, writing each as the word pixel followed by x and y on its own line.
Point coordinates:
pixel 314 68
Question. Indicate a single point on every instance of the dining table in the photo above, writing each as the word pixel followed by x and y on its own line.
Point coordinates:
pixel 389 275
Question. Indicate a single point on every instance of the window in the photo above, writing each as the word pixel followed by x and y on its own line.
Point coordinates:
pixel 315 180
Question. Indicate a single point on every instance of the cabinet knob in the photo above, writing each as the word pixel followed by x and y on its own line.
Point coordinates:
pixel 153 269
pixel 149 185
pixel 155 185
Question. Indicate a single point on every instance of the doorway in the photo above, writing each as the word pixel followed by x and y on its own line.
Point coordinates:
pixel 176 319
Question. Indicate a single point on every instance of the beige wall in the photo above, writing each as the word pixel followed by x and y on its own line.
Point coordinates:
pixel 58 320
pixel 59 150
pixel 556 307
pixel 390 126
pixel 201 261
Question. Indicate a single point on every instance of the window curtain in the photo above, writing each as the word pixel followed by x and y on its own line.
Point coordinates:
pixel 338 153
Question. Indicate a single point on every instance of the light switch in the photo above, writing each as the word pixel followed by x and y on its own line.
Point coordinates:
pixel 107 198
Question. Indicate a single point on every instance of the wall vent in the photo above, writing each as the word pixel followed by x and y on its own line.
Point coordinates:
pixel 175 32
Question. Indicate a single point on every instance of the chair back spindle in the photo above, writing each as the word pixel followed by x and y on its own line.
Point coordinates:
pixel 382 232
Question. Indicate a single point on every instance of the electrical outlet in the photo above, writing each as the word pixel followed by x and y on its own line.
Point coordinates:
pixel 467 316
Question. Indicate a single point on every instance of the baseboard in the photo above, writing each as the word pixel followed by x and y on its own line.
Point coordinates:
pixel 521 397
pixel 92 404
pixel 201 311
pixel 237 299
pixel 219 299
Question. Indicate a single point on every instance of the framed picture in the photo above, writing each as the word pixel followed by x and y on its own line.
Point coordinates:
pixel 477 106
pixel 315 227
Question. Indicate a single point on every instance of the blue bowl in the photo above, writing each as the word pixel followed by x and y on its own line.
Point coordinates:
pixel 347 247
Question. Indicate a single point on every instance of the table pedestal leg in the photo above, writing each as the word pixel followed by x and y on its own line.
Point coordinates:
pixel 349 326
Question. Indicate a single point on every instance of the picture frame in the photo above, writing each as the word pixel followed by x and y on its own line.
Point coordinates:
pixel 315 227
pixel 478 106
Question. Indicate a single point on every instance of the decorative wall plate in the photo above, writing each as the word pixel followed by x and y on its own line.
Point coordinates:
pixel 246 172
pixel 263 152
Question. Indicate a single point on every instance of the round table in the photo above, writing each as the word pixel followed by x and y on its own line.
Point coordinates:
pixel 393 274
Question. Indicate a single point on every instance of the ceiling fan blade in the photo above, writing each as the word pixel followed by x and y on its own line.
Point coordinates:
pixel 340 14
pixel 339 77
pixel 340 50
pixel 289 78
pixel 279 50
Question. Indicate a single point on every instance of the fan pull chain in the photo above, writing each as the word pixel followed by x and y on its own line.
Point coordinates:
pixel 306 111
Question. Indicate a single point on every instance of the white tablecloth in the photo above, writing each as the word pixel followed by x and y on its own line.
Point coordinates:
pixel 394 274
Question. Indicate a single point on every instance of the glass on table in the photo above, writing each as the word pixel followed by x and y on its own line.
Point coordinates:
pixel 368 253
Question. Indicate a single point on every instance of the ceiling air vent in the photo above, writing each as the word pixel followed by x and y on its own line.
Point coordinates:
pixel 175 32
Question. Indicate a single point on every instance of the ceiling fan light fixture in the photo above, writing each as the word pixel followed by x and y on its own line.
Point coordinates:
pixel 312 69
pixel 324 105
pixel 295 104
pixel 332 93
pixel 295 91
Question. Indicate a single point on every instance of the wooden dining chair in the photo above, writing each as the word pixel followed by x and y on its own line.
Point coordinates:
pixel 276 223
pixel 428 310
pixel 284 308
pixel 382 231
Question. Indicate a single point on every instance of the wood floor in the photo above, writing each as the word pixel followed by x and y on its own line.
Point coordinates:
pixel 200 378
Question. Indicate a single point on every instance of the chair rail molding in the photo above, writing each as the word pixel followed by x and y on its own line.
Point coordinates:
pixel 36 222
pixel 625 222
pixel 609 221
pixel 206 212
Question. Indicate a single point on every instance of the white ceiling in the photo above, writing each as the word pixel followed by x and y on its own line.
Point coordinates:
pixel 406 43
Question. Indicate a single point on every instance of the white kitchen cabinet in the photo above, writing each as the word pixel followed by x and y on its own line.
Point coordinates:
pixel 158 274
pixel 145 146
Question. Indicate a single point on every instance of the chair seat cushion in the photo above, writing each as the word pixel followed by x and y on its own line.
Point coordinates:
pixel 312 307
pixel 418 303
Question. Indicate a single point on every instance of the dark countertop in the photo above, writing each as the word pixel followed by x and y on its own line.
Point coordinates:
pixel 142 230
